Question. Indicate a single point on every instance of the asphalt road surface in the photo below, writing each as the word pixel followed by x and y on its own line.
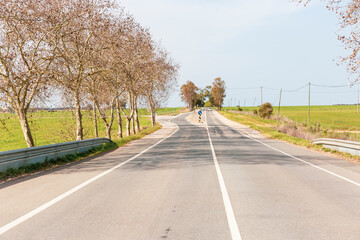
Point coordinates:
pixel 189 181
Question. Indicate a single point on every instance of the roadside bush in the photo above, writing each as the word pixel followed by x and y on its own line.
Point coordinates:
pixel 291 128
pixel 265 110
pixel 255 112
pixel 239 108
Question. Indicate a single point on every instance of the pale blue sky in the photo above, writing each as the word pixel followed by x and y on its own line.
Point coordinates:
pixel 250 43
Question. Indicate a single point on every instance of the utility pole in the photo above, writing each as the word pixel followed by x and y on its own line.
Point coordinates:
pixel 279 102
pixel 261 100
pixel 358 100
pixel 309 106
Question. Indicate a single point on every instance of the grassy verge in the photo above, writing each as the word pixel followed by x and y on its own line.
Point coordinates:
pixel 171 111
pixel 267 128
pixel 52 163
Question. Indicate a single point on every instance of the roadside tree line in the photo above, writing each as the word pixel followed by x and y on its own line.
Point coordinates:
pixel 89 51
pixel 210 96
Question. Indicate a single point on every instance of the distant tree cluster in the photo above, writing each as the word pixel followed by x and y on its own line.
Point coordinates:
pixel 90 51
pixel 348 12
pixel 210 96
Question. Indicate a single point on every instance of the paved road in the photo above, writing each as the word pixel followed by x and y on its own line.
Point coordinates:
pixel 184 187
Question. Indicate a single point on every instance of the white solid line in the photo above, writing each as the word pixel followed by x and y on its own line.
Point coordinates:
pixel 301 160
pixel 234 229
pixel 29 215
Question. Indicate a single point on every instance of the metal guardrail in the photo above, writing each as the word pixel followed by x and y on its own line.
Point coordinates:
pixel 26 156
pixel 339 145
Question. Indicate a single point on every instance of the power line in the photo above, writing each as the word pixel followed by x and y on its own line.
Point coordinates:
pixel 335 92
pixel 275 89
pixel 297 89
pixel 337 86
pixel 329 86
pixel 244 88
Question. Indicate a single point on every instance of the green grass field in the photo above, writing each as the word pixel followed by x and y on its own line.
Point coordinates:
pixel 59 126
pixel 52 127
pixel 171 111
pixel 341 117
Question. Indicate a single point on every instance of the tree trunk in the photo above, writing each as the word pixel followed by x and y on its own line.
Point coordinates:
pixel 108 128
pixel 118 109
pixel 128 126
pixel 107 124
pixel 95 121
pixel 136 116
pixel 152 110
pixel 137 121
pixel 153 115
pixel 132 110
pixel 78 115
pixel 108 131
pixel 133 124
pixel 25 127
pixel 131 114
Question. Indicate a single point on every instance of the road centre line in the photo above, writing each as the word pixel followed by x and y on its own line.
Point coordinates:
pixel 234 229
pixel 301 160
pixel 43 207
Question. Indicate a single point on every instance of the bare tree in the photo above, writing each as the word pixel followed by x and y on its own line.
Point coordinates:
pixel 162 73
pixel 77 44
pixel 105 85
pixel 134 54
pixel 87 52
pixel 25 55
pixel 105 89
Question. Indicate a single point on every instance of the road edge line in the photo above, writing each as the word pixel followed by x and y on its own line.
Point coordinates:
pixel 306 162
pixel 296 158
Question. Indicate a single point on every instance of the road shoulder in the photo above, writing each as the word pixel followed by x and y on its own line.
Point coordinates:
pixel 327 161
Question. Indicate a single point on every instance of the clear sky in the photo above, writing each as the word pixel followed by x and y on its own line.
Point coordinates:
pixel 251 43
